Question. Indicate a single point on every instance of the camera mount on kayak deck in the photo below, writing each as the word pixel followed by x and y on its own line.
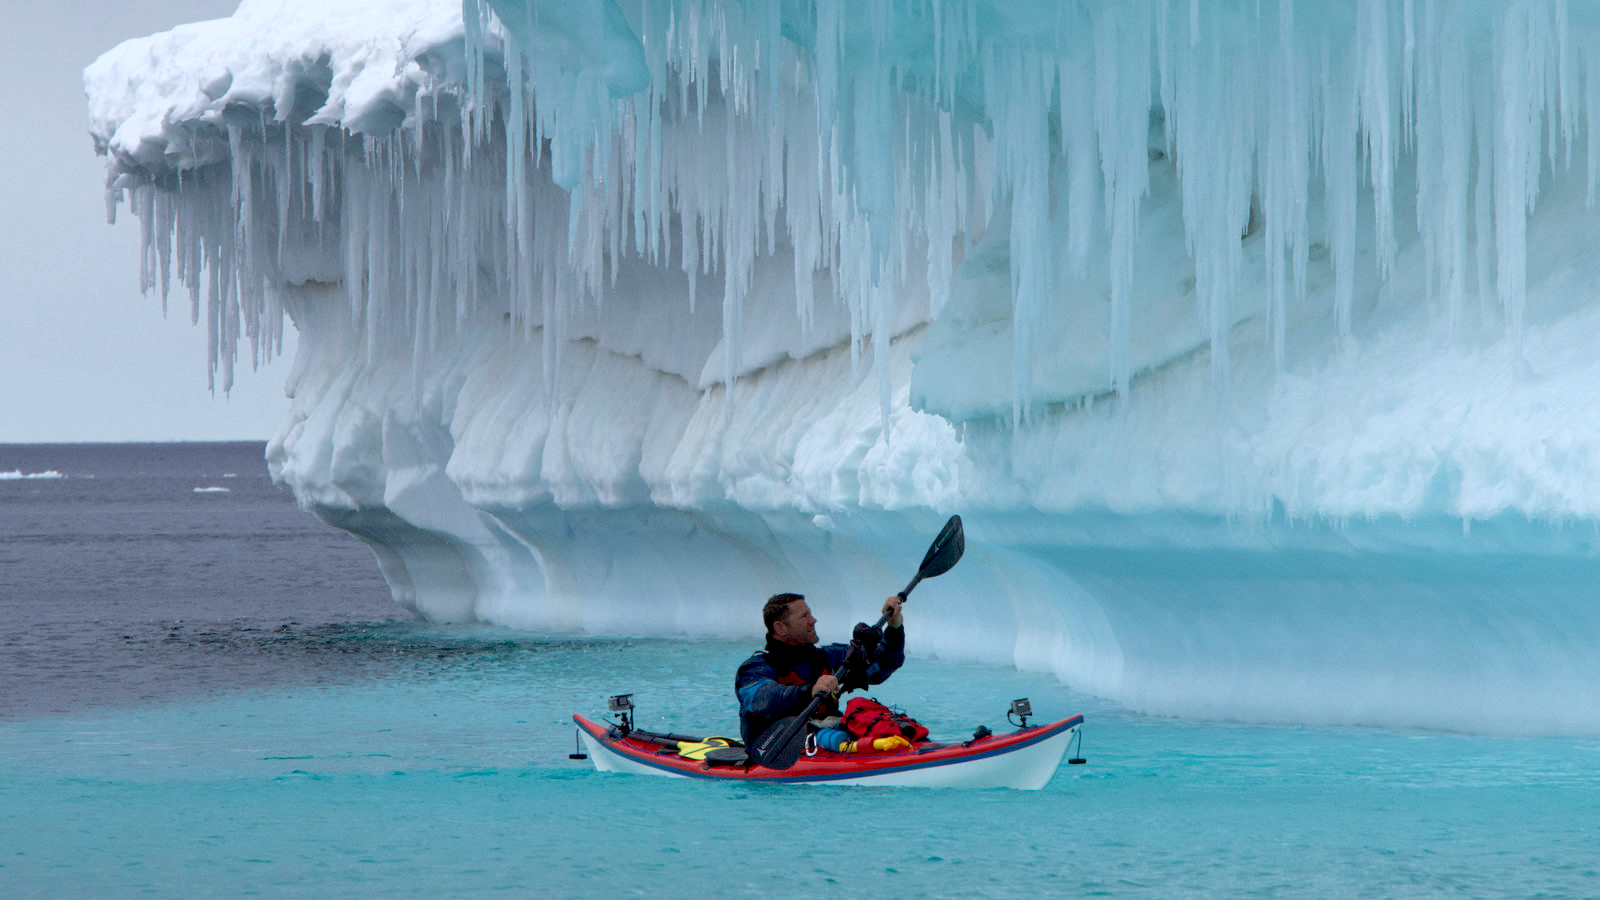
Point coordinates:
pixel 622 705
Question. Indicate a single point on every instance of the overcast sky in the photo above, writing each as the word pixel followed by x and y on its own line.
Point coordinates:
pixel 83 356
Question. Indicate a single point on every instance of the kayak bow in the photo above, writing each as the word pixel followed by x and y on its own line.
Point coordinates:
pixel 1025 759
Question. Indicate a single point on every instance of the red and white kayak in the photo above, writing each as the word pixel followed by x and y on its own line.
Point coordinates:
pixel 1025 759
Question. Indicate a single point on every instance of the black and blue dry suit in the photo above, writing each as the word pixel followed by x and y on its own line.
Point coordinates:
pixel 776 683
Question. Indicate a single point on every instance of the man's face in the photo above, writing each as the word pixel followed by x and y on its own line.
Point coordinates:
pixel 798 627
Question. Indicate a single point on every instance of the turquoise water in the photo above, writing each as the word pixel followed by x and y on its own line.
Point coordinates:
pixel 206 693
pixel 448 774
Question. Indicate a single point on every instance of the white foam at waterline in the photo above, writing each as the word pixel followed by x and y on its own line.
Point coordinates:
pixel 213 489
pixel 19 475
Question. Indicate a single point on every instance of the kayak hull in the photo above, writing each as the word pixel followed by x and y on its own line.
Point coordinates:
pixel 1024 759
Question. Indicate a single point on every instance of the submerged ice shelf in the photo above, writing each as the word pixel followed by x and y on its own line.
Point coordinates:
pixel 1251 339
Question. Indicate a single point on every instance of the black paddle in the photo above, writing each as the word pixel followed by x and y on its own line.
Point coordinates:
pixel 780 746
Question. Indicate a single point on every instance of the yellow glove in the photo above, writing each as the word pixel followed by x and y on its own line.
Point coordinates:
pixel 881 745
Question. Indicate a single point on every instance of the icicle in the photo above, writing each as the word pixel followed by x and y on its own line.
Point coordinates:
pixel 165 227
pixel 1567 79
pixel 1283 182
pixel 1377 122
pixel 1078 143
pixel 1483 193
pixel 1020 102
pixel 943 215
pixel 1122 90
pixel 1516 133
pixel 144 195
pixel 285 181
pixel 1408 75
pixel 1444 157
pixel 1339 179
pixel 1591 101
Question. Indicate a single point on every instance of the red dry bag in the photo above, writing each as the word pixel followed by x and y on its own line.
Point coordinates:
pixel 865 717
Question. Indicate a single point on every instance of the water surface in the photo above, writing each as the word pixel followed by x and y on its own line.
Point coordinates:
pixel 211 694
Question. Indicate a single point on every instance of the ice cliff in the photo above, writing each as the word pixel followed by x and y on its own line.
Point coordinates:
pixel 1253 339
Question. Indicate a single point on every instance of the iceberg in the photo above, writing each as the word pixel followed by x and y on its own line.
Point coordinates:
pixel 1252 339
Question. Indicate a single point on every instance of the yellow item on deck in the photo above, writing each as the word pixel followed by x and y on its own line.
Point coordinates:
pixel 699 749
pixel 889 744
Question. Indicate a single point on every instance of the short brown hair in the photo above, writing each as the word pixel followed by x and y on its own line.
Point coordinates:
pixel 777 607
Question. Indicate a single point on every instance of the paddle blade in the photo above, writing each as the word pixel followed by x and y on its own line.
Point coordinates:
pixel 945 551
pixel 780 746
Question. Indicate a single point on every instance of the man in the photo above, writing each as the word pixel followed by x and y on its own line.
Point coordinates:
pixel 780 680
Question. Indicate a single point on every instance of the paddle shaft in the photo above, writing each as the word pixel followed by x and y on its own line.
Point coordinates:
pixel 669 739
pixel 903 595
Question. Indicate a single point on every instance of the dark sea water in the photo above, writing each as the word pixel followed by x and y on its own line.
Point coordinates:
pixel 205 692
pixel 154 572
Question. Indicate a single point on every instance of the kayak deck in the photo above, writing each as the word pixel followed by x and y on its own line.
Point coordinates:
pixel 1024 759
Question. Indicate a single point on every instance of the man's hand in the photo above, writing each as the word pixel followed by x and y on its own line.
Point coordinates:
pixel 825 683
pixel 891 608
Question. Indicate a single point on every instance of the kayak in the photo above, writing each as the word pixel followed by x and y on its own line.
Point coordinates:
pixel 1025 759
